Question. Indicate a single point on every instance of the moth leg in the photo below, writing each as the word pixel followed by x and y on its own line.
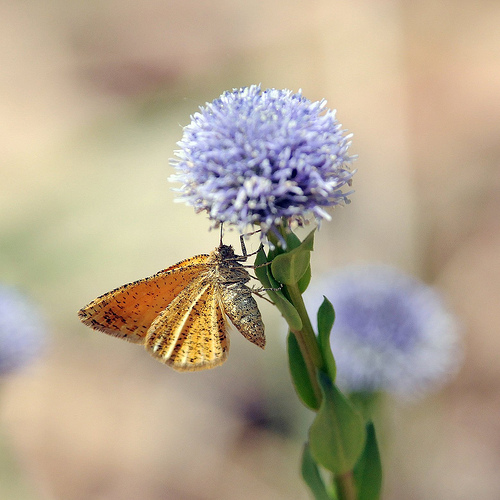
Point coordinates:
pixel 244 248
pixel 263 297
pixel 270 289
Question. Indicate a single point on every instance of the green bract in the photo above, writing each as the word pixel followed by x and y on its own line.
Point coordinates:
pixel 326 318
pixel 312 476
pixel 337 434
pixel 273 290
pixel 368 470
pixel 300 375
pixel 288 268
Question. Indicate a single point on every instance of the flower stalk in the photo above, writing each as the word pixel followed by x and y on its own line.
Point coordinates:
pixel 346 489
pixel 337 436
pixel 306 339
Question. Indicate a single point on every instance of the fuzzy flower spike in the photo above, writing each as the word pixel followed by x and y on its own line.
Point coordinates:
pixel 265 158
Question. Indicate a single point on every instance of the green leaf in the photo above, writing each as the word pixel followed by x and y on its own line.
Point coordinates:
pixel 326 318
pixel 368 470
pixel 300 375
pixel 312 477
pixel 289 267
pixel 285 307
pixel 292 241
pixel 306 277
pixel 337 434
pixel 304 281
pixel 260 269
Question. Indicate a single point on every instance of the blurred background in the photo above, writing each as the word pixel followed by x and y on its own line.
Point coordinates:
pixel 93 96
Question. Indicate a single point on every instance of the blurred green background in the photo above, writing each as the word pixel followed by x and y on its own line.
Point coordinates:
pixel 93 97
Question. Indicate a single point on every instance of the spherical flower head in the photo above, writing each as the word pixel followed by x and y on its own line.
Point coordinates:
pixel 266 158
pixel 392 332
pixel 22 330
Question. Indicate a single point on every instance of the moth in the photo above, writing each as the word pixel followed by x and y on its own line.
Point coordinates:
pixel 181 314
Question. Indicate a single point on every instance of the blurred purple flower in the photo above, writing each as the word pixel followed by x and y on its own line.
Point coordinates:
pixel 22 330
pixel 392 332
pixel 263 157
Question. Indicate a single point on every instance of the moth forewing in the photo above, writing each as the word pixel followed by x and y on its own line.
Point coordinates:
pixel 128 311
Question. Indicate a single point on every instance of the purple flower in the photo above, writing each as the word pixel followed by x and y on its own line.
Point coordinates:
pixel 22 330
pixel 263 157
pixel 391 333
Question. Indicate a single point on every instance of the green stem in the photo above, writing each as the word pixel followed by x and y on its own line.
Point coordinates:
pixel 306 338
pixel 346 488
pixel 308 344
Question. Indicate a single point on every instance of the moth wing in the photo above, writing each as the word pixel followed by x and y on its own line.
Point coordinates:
pixel 128 311
pixel 191 334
